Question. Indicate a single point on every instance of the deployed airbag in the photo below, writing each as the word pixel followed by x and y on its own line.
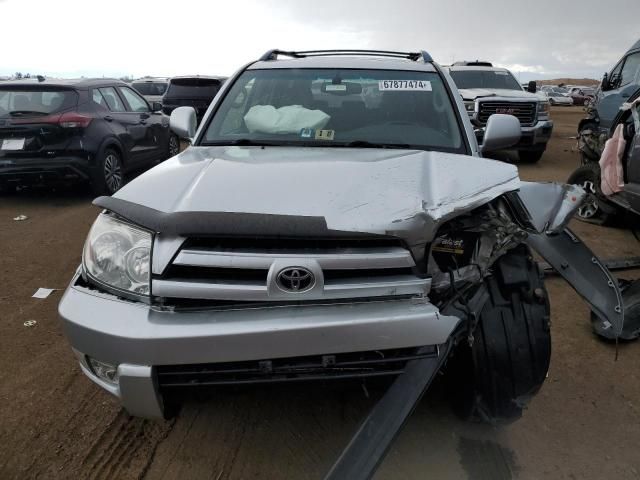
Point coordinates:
pixel 289 119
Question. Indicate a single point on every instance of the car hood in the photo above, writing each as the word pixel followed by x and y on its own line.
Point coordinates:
pixel 365 190
pixel 474 93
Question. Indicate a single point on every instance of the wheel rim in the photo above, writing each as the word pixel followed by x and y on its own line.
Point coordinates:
pixel 112 172
pixel 173 146
pixel 589 208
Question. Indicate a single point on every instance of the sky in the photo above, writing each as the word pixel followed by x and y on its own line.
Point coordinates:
pixel 535 39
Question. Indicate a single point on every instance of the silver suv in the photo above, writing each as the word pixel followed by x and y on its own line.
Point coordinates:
pixel 333 218
pixel 488 90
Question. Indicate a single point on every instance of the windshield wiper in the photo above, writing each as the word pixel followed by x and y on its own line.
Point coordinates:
pixel 366 144
pixel 243 142
pixel 26 112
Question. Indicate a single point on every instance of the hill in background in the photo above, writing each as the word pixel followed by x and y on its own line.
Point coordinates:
pixel 587 82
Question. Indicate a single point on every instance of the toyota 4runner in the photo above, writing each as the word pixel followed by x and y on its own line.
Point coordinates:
pixel 334 219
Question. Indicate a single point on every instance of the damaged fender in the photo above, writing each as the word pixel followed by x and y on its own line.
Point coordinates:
pixel 550 207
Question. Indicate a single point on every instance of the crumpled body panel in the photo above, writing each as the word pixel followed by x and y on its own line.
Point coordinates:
pixel 405 193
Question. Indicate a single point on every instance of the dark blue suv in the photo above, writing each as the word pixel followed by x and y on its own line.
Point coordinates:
pixel 63 131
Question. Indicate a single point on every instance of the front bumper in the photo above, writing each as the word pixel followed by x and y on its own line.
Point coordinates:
pixel 138 338
pixel 25 171
pixel 534 137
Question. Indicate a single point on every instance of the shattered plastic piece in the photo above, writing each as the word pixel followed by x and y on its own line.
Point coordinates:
pixel 30 323
pixel 20 218
pixel 43 292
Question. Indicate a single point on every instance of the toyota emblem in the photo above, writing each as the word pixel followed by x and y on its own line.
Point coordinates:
pixel 295 279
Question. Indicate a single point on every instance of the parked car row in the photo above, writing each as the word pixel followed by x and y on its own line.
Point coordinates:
pixel 196 91
pixel 93 131
pixel 54 131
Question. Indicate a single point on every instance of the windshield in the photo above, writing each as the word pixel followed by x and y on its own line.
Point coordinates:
pixel 194 88
pixel 337 108
pixel 150 88
pixel 22 101
pixel 484 79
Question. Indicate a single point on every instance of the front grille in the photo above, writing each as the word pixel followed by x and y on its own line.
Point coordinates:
pixel 244 270
pixel 312 367
pixel 523 111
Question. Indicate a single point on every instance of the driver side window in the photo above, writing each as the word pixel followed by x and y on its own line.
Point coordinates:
pixel 135 101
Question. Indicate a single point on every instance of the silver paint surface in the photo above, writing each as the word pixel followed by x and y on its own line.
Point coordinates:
pixel 406 193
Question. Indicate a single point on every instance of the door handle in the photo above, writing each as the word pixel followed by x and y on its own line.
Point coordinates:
pixel 108 118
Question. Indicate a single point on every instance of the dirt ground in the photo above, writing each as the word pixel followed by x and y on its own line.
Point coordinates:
pixel 54 423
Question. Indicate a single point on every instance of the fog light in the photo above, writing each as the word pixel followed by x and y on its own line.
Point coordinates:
pixel 104 371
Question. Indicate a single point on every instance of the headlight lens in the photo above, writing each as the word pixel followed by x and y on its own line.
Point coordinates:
pixel 470 107
pixel 118 255
pixel 543 107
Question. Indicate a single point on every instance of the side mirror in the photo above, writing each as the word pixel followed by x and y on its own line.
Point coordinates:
pixel 604 85
pixel 156 107
pixel 502 131
pixel 532 86
pixel 183 122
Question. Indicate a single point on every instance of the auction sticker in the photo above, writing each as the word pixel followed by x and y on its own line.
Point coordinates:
pixel 405 85
pixel 325 134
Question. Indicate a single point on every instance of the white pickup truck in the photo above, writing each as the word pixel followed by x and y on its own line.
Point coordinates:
pixel 487 90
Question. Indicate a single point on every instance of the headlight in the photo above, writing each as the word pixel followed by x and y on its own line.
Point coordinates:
pixel 118 255
pixel 543 107
pixel 470 107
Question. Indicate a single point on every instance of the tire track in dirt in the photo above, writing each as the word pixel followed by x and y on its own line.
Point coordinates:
pixel 125 443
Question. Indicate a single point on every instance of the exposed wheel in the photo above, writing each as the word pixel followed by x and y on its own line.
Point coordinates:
pixel 110 175
pixel 174 146
pixel 494 379
pixel 552 101
pixel 594 209
pixel 530 156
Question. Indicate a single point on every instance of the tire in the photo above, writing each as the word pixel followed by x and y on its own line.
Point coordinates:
pixel 531 156
pixel 109 177
pixel 594 209
pixel 173 148
pixel 552 102
pixel 495 378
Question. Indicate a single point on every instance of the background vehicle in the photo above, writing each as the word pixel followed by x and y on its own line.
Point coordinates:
pixel 615 89
pixel 152 89
pixel 598 208
pixel 487 90
pixel 78 130
pixel 555 98
pixel 582 95
pixel 550 88
pixel 193 91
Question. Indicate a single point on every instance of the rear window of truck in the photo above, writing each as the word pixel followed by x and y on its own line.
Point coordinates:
pixel 194 88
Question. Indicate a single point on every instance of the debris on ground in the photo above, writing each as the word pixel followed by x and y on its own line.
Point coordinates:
pixel 30 323
pixel 20 218
pixel 44 292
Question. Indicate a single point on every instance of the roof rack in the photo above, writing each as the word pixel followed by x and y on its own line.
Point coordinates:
pixel 415 56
